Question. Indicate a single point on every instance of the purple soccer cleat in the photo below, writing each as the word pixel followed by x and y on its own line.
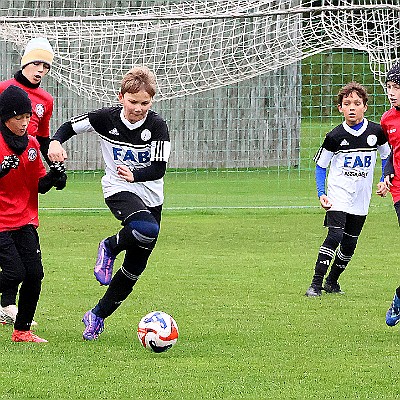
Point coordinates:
pixel 94 325
pixel 104 265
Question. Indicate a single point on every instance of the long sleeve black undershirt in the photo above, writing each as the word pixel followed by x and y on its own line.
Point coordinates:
pixel 156 170
pixel 44 143
pixel 389 168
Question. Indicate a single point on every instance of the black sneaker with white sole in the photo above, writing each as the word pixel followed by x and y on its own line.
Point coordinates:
pixel 313 291
pixel 332 287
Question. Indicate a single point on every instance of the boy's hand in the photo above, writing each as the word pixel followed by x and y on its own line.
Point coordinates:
pixel 57 167
pixel 61 182
pixel 382 189
pixel 9 162
pixel 325 203
pixel 56 152
pixel 125 173
pixel 388 181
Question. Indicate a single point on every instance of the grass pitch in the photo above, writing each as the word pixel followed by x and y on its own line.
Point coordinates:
pixel 234 279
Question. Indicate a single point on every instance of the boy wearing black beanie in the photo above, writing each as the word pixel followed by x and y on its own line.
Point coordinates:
pixel 35 64
pixel 22 177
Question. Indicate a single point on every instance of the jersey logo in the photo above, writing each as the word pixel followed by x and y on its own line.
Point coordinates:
pixel 363 174
pixel 114 131
pixel 145 135
pixel 371 140
pixel 129 155
pixel 357 162
pixel 344 142
pixel 39 109
pixel 32 154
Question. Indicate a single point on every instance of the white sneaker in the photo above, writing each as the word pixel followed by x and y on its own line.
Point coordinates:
pixel 9 314
pixel 5 319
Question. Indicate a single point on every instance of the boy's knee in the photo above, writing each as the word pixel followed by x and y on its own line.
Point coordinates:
pixel 144 227
pixel 335 236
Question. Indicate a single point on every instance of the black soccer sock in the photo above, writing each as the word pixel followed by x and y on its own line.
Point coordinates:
pixel 321 267
pixel 325 255
pixel 8 297
pixel 120 288
pixel 335 272
pixel 343 257
pixel 338 267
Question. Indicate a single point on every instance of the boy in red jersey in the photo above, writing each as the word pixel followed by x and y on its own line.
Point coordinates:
pixel 22 177
pixel 390 123
pixel 35 64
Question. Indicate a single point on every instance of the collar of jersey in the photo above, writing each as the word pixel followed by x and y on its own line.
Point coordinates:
pixel 128 124
pixel 352 131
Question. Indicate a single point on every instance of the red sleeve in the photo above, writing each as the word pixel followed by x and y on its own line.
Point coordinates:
pixel 43 128
pixel 19 188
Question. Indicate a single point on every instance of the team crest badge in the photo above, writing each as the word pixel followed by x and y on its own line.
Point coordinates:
pixel 32 154
pixel 39 110
pixel 145 135
pixel 371 140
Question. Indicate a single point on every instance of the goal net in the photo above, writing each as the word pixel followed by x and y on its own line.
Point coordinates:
pixel 202 45
pixel 245 86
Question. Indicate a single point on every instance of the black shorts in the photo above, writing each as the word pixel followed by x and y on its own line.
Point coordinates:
pixel 20 253
pixel 124 204
pixel 350 223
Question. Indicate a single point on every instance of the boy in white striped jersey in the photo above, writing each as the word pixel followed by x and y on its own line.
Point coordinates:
pixel 350 152
pixel 135 145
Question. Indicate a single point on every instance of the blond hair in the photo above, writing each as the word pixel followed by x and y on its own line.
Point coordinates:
pixel 137 79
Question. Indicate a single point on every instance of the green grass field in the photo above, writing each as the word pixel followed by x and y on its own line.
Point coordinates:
pixel 234 258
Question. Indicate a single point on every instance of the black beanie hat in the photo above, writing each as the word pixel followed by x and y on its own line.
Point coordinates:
pixel 394 74
pixel 14 101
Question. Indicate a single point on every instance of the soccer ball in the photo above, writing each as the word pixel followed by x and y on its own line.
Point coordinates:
pixel 157 331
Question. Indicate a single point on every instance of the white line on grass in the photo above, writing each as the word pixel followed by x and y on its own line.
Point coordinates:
pixel 88 209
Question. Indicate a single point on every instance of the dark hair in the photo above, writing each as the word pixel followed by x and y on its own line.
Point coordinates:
pixel 350 88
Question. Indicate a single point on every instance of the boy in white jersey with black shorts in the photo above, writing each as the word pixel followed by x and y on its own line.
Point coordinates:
pixel 135 145
pixel 350 152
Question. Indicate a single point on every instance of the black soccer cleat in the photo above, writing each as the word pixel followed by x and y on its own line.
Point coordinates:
pixel 313 291
pixel 332 287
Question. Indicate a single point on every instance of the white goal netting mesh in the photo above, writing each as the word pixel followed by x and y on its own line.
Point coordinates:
pixel 195 46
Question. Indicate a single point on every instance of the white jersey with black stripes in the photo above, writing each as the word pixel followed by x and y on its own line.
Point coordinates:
pixel 351 156
pixel 134 145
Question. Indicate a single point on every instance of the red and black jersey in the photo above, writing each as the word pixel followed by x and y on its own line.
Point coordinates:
pixel 42 107
pixel 390 123
pixel 19 188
